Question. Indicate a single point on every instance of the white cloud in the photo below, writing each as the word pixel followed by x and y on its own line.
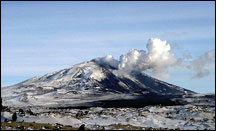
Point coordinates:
pixel 201 64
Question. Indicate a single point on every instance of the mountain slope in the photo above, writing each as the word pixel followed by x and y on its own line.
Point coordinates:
pixel 92 83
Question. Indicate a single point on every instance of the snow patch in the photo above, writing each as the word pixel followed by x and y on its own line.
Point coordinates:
pixel 98 75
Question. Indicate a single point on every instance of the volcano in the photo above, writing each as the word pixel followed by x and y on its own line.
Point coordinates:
pixel 96 84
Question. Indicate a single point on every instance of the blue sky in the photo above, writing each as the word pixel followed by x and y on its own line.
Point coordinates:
pixel 41 37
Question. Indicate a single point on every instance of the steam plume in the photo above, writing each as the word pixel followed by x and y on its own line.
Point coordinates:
pixel 200 64
pixel 158 58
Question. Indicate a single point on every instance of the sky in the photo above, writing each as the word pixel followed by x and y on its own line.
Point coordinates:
pixel 42 37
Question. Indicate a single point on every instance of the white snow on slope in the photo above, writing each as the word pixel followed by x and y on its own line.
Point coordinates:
pixel 97 74
pixel 47 89
pixel 83 82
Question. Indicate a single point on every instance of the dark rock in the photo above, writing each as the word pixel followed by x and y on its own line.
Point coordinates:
pixel 1 104
pixel 86 112
pixel 21 111
pixel 103 128
pixel 5 108
pixel 6 120
pixel 79 114
pixel 30 112
pixel 14 116
pixel 192 119
pixel 82 128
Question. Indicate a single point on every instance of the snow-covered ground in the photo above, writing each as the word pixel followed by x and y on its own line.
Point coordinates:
pixel 188 117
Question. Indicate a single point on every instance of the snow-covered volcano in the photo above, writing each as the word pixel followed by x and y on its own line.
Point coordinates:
pixel 92 83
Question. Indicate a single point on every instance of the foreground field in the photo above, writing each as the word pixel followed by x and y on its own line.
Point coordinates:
pixel 188 117
pixel 44 126
pixel 33 126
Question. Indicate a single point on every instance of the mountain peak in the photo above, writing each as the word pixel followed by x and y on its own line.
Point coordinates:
pixel 88 82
